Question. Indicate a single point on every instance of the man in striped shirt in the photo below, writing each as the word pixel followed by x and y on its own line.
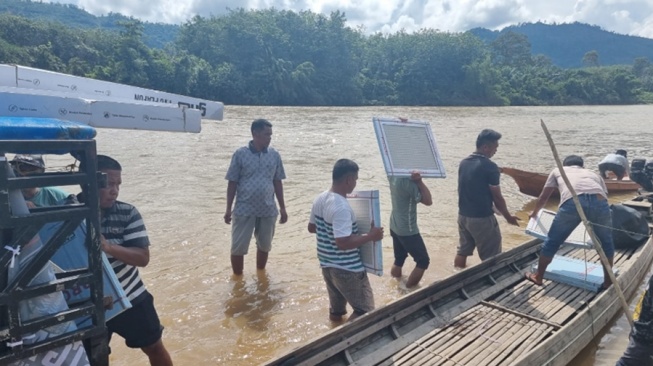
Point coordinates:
pixel 126 244
pixel 334 223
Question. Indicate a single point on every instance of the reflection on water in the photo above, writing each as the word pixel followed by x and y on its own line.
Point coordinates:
pixel 177 183
pixel 251 305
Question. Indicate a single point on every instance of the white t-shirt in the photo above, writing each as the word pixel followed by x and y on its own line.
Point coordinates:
pixel 584 182
pixel 333 218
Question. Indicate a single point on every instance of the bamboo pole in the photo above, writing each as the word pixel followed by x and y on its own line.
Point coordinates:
pixel 590 230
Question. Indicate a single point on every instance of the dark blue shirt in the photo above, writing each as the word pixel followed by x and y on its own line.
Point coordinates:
pixel 476 174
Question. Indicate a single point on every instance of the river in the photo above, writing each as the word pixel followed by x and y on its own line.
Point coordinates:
pixel 177 182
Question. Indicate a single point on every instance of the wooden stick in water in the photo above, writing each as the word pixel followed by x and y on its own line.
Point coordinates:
pixel 590 230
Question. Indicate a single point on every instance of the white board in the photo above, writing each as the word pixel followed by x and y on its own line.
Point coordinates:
pixel 540 226
pixel 18 102
pixel 408 146
pixel 7 75
pixel 366 206
pixel 31 78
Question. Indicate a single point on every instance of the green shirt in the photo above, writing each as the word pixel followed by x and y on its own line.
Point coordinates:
pixel 48 196
pixel 405 196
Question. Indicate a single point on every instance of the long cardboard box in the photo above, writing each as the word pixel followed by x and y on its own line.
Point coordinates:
pixel 20 102
pixel 7 75
pixel 31 78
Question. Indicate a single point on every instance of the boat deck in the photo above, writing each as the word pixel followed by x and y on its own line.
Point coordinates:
pixel 500 329
pixel 488 314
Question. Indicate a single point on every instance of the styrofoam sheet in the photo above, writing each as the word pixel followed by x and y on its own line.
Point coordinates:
pixel 575 272
pixel 540 226
pixel 31 78
pixel 408 146
pixel 17 102
pixel 366 206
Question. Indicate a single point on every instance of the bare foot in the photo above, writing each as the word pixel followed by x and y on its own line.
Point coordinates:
pixel 531 277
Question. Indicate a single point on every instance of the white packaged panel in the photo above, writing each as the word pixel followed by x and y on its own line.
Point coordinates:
pixel 8 75
pixel 366 206
pixel 540 226
pixel 31 78
pixel 408 146
pixel 18 102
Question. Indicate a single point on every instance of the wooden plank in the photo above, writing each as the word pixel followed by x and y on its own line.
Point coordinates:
pixel 486 339
pixel 506 343
pixel 517 313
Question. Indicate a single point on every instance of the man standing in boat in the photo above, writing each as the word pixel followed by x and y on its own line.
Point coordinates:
pixel 334 223
pixel 479 196
pixel 254 177
pixel 593 197
pixel 616 163
pixel 406 193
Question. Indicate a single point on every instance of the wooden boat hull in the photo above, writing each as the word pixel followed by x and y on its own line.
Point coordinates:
pixel 531 183
pixel 485 315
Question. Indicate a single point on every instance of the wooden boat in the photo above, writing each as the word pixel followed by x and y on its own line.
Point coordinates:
pixel 488 314
pixel 531 183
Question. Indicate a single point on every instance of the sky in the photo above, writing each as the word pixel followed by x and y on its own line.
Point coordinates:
pixel 633 17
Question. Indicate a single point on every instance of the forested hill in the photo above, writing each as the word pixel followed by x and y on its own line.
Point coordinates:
pixel 155 35
pixel 280 57
pixel 567 44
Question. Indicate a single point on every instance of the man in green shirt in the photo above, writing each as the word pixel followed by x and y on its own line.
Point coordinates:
pixel 25 165
pixel 406 193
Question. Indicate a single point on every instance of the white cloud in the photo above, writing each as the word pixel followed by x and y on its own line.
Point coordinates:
pixel 622 16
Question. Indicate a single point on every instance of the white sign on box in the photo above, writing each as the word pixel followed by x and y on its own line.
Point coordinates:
pixel 18 102
pixel 31 78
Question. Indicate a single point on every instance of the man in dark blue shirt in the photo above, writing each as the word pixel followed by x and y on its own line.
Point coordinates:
pixel 479 195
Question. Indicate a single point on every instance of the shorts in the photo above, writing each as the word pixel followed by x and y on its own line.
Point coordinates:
pixel 410 244
pixel 482 233
pixel 242 228
pixel 348 287
pixel 138 325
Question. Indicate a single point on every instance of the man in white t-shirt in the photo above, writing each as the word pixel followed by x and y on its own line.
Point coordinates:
pixel 334 223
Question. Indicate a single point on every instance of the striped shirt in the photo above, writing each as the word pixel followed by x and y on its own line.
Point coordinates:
pixel 333 218
pixel 122 224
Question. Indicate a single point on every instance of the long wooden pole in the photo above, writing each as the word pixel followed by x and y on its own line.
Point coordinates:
pixel 590 230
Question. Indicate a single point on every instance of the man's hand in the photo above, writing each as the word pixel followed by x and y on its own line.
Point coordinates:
pixel 513 220
pixel 415 176
pixel 104 244
pixel 227 217
pixel 376 233
pixel 533 214
pixel 284 216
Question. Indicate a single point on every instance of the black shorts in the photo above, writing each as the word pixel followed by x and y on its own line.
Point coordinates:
pixel 138 325
pixel 413 245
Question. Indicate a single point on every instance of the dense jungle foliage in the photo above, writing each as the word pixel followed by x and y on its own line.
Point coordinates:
pixel 273 57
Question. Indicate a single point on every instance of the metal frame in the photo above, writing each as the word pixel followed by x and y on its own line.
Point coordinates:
pixel 16 231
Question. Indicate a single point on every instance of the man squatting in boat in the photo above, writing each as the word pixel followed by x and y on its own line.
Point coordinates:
pixel 593 197
pixel 616 163
pixel 479 195
pixel 333 222
pixel 254 176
